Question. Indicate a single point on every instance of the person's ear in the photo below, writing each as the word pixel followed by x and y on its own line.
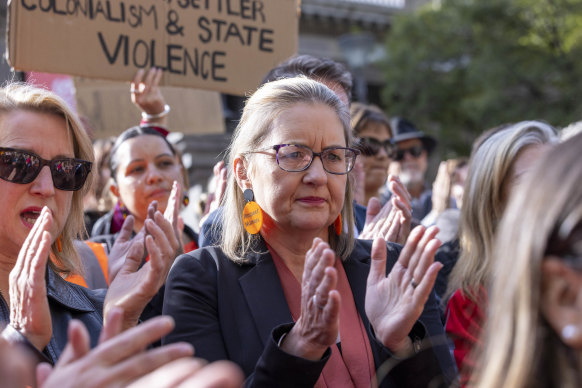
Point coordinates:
pixel 241 173
pixel 561 300
pixel 114 189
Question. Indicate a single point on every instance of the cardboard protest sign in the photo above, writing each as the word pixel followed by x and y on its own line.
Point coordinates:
pixel 222 45
pixel 108 109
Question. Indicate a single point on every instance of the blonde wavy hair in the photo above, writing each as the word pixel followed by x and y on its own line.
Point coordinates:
pixel 483 203
pixel 254 128
pixel 543 217
pixel 24 97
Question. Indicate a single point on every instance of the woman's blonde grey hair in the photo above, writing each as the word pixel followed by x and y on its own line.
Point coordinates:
pixel 543 217
pixel 24 97
pixel 483 201
pixel 253 130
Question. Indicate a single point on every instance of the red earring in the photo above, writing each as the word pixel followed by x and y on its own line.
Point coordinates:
pixel 59 244
pixel 337 224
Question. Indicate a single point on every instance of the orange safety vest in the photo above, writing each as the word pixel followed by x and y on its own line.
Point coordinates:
pixel 99 253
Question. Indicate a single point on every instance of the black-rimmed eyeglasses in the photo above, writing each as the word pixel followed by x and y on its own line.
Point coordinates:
pixel 296 158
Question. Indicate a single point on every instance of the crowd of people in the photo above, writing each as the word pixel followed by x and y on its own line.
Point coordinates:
pixel 324 257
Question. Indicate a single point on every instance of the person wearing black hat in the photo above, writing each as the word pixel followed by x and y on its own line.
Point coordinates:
pixel 410 163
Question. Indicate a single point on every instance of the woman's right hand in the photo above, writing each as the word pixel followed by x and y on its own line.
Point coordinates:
pixel 317 327
pixel 29 309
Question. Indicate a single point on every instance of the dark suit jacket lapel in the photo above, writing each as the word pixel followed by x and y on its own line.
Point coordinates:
pixel 264 295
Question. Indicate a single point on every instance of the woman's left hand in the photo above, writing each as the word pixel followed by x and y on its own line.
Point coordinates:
pixel 133 286
pixel 395 302
pixel 29 309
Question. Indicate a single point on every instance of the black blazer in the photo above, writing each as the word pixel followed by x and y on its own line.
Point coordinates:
pixel 238 312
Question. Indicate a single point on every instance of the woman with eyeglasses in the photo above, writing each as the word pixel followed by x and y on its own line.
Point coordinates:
pixel 289 295
pixel 45 161
pixel 534 331
pixel 372 133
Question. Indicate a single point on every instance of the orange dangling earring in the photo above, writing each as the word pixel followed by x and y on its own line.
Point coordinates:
pixel 186 200
pixel 337 224
pixel 59 244
pixel 252 213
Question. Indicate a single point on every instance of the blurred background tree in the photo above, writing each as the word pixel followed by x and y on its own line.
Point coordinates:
pixel 458 67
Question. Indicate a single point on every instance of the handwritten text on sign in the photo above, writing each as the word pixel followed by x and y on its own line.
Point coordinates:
pixel 226 45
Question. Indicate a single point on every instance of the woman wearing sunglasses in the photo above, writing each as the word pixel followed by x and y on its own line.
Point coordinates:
pixel 372 133
pixel 290 295
pixel 45 160
pixel 371 129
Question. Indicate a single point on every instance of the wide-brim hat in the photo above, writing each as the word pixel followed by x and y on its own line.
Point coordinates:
pixel 405 130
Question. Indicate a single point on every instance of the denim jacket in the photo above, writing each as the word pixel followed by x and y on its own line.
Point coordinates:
pixel 66 301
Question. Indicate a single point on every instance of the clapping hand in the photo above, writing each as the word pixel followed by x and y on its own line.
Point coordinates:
pixel 118 359
pixel 135 285
pixel 29 309
pixel 395 302
pixel 172 215
pixel 317 327
pixel 391 221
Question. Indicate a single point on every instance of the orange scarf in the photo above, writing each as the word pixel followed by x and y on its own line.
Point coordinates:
pixel 354 366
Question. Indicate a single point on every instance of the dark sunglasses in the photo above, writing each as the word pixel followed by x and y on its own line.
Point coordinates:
pixel 415 152
pixel 23 167
pixel 370 146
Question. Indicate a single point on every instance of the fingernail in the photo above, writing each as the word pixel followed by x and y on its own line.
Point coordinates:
pixel 184 347
pixel 166 320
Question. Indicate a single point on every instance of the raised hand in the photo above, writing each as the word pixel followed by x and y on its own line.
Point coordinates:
pixel 172 215
pixel 133 286
pixel 116 361
pixel 124 241
pixel 317 327
pixel 216 192
pixel 395 302
pixel 391 221
pixel 146 94
pixel 29 309
pixel 441 187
